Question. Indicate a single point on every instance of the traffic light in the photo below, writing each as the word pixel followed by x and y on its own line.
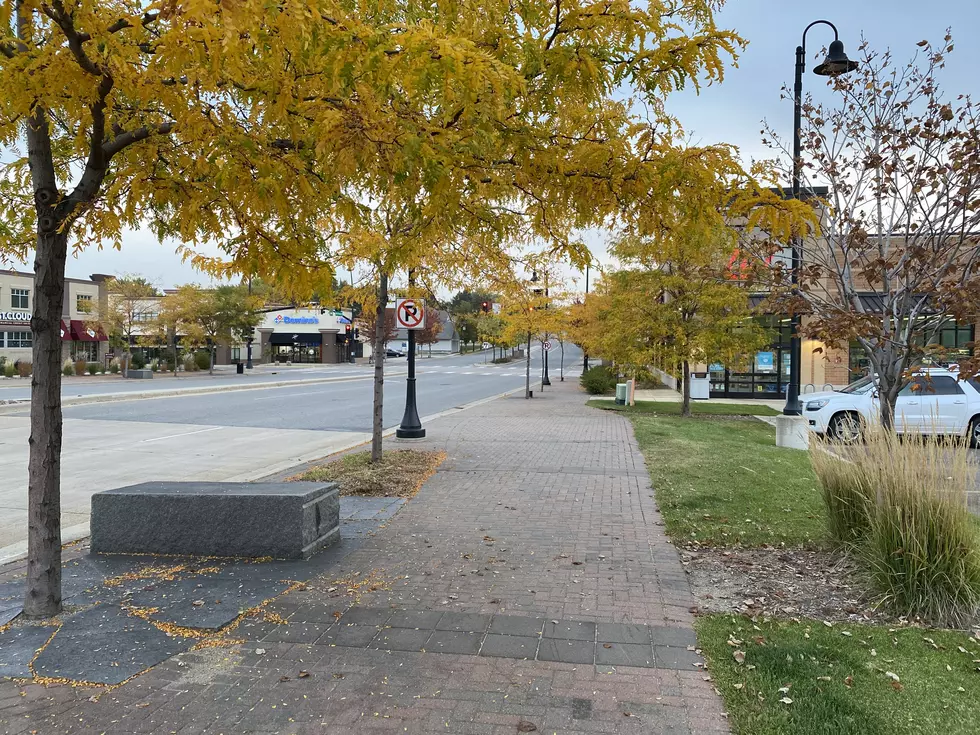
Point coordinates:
pixel 357 333
pixel 347 330
pixel 485 306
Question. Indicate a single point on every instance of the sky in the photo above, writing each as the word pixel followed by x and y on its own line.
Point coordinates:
pixel 728 112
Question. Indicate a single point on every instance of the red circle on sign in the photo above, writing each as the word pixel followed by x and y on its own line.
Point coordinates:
pixel 409 314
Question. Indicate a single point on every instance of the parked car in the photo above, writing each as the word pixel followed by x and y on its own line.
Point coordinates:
pixel 390 352
pixel 933 401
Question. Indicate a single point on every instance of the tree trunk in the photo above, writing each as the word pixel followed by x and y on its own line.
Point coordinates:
pixel 686 404
pixel 211 357
pixel 43 596
pixel 379 367
pixel 527 377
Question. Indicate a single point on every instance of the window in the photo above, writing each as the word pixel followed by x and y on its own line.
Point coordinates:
pixel 83 303
pixel 19 298
pixel 19 339
pixel 236 354
pixel 939 385
pixel 144 316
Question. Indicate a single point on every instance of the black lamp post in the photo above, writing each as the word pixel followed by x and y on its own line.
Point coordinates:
pixel 411 426
pixel 248 339
pixel 585 366
pixel 834 65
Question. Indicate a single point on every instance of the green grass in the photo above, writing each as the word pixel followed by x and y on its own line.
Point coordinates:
pixel 672 408
pixel 836 684
pixel 724 482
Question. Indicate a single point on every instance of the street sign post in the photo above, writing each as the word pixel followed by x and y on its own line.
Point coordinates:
pixel 410 314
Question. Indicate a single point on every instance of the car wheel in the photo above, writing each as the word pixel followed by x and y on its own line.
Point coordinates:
pixel 975 433
pixel 845 428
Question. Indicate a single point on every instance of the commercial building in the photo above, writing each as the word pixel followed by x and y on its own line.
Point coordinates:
pixel 82 337
pixel 293 335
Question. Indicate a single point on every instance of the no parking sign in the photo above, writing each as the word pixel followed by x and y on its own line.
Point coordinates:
pixel 410 313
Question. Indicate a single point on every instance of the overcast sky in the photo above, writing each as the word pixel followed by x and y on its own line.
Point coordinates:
pixel 730 112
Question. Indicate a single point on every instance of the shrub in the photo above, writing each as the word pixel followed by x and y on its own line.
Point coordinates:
pixel 80 367
pixel 114 366
pixel 68 367
pixel 100 369
pixel 164 366
pixel 9 370
pixel 502 360
pixel 137 361
pixel 203 359
pixel 24 368
pixel 92 368
pixel 598 380
pixel 190 365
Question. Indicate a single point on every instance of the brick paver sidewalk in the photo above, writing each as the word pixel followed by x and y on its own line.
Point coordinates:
pixel 529 587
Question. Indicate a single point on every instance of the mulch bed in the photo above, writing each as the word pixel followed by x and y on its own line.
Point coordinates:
pixel 400 473
pixel 783 583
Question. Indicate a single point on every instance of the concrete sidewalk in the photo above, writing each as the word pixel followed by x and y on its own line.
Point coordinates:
pixel 529 587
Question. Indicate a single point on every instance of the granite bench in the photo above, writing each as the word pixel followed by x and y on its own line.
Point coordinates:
pixel 285 520
pixel 139 374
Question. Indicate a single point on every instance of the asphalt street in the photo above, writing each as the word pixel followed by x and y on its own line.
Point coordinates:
pixel 345 405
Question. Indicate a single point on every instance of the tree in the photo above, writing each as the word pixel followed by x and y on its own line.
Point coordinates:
pixel 433 328
pixel 525 317
pixel 898 251
pixel 368 326
pixel 214 316
pixel 131 307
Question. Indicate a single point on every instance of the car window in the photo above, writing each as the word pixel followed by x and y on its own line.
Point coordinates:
pixel 936 385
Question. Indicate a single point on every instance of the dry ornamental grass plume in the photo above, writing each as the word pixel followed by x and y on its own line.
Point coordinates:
pixel 899 502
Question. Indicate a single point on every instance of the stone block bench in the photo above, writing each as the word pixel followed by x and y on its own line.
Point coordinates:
pixel 139 374
pixel 291 520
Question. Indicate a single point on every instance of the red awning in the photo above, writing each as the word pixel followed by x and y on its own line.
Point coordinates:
pixel 65 332
pixel 83 333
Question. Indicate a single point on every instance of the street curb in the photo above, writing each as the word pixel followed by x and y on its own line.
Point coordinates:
pixel 15 406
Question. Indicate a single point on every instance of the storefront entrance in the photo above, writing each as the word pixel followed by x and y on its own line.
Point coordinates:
pixel 765 375
pixel 296 348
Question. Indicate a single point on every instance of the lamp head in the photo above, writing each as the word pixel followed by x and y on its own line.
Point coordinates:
pixel 836 62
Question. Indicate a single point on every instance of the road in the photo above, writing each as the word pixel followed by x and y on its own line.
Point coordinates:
pixel 235 435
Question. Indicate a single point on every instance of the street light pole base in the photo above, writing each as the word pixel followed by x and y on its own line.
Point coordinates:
pixel 410 433
pixel 792 432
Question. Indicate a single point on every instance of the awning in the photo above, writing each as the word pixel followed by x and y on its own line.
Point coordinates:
pixel 65 332
pixel 83 333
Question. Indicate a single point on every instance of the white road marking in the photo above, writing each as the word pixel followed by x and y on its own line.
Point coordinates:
pixel 187 433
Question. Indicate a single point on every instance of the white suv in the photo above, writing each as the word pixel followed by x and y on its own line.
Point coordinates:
pixel 934 401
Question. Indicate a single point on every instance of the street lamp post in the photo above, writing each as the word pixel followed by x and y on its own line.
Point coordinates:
pixel 411 426
pixel 248 341
pixel 834 65
pixel 585 366
pixel 544 380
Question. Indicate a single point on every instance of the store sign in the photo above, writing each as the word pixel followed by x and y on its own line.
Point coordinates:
pixel 280 319
pixel 14 316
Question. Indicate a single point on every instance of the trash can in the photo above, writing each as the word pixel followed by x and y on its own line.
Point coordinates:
pixel 700 386
pixel 240 368
pixel 621 394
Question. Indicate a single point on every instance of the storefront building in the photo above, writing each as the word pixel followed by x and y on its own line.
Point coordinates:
pixel 299 336
pixel 82 338
pixel 766 373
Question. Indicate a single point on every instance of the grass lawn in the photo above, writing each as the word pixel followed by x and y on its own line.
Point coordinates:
pixel 400 473
pixel 672 408
pixel 842 684
pixel 724 482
